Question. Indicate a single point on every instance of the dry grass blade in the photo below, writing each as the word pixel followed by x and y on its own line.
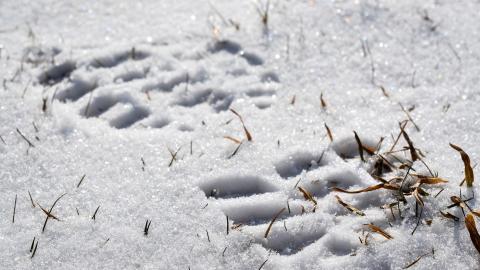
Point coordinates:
pixel 31 200
pixel 50 211
pixel 413 152
pixel 457 202
pixel 402 126
pixel 228 225
pixel 378 230
pixel 263 12
pixel 95 213
pixel 384 91
pixel 146 228
pixel 173 155
pixel 416 260
pixel 476 213
pixel 349 207
pixel 329 132
pixel 450 216
pixel 49 215
pixel 417 197
pixel 32 245
pixel 307 195
pixel 236 150
pixel 409 117
pixel 472 230
pixel 232 139
pixel 14 208
pixel 261 266
pixel 360 146
pixel 25 138
pixel 436 195
pixel 273 220
pixel 247 133
pixel 81 180
pixel 469 178
pixel 369 150
pixel 367 189
pixel 292 101
pixel 431 180
pixel 44 104
pixel 322 102
pixel 34 250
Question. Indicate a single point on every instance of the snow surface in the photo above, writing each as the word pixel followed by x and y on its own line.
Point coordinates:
pixel 126 83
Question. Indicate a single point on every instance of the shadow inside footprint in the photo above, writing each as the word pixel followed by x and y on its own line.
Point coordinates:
pixel 115 59
pixel 57 73
pixel 297 162
pixel 132 115
pixel 217 99
pixel 77 88
pixel 235 48
pixel 234 186
pixel 120 110
pixel 347 148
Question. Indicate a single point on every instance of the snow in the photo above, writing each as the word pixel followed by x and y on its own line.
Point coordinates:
pixel 136 95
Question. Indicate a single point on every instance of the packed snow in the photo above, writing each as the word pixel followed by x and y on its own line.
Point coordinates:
pixel 229 125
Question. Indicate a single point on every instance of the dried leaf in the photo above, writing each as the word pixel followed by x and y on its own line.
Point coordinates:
pixel 466 162
pixel 378 230
pixel 472 230
pixel 349 207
